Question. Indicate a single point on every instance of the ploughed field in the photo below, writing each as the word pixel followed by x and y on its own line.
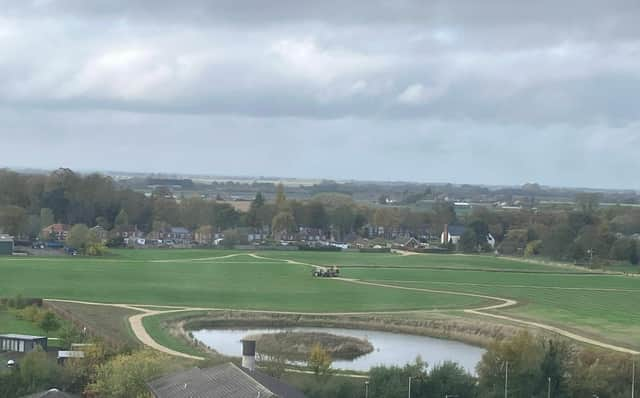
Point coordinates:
pixel 596 305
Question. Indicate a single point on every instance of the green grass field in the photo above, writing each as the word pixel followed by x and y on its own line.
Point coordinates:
pixel 598 305
pixel 169 278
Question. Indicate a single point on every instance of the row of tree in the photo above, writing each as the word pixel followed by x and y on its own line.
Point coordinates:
pixel 584 233
pixel 523 366
pixel 581 232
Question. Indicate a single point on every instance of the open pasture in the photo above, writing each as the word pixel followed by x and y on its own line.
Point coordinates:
pixel 206 279
pixel 601 306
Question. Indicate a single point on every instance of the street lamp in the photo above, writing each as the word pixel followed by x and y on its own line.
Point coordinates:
pixel 506 379
pixel 633 379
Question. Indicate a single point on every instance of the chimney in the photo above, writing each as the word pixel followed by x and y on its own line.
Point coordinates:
pixel 445 234
pixel 249 354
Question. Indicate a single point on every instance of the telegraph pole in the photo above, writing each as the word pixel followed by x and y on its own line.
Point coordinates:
pixel 366 389
pixel 409 394
pixel 549 387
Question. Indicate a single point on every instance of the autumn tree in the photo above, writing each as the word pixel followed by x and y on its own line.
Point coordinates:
pixel 319 360
pixel 126 376
pixel 281 199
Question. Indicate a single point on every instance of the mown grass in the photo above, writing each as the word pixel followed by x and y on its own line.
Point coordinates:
pixel 10 323
pixel 241 282
pixel 599 305
pixel 436 261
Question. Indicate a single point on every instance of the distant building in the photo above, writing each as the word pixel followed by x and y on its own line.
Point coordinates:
pixel 21 342
pixel 411 243
pixel 6 245
pixel 100 233
pixel 127 232
pixel 451 234
pixel 204 235
pixel 57 232
pixel 223 381
pixel 180 235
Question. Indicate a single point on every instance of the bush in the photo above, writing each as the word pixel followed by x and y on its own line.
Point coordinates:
pixel 49 322
pixel 31 313
pixel 533 248
pixel 95 249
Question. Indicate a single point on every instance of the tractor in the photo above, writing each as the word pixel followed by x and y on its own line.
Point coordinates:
pixel 328 272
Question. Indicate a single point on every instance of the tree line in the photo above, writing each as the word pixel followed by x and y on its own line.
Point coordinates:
pixel 581 232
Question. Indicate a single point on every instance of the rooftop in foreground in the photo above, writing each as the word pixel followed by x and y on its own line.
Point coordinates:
pixel 223 381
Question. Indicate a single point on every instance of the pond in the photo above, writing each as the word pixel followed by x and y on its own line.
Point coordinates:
pixel 389 348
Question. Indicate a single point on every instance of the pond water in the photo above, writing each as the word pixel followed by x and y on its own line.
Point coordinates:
pixel 389 348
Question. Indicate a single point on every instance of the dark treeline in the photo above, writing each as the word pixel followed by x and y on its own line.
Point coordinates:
pixel 583 233
pixel 28 202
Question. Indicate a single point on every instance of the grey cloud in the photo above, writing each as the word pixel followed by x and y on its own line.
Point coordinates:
pixel 456 79
pixel 432 151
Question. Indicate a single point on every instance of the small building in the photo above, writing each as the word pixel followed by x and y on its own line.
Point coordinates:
pixel 6 245
pixel 21 342
pixel 65 355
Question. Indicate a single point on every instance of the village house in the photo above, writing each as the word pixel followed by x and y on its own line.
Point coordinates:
pixel 99 232
pixel 180 235
pixel 451 234
pixel 56 232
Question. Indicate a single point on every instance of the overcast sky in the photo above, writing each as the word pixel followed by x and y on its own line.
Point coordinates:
pixel 493 92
